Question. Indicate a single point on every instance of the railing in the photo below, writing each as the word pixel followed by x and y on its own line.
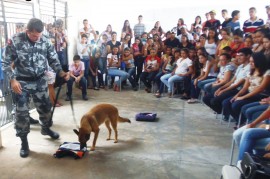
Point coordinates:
pixel 7 113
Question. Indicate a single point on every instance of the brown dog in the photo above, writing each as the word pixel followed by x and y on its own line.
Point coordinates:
pixel 91 121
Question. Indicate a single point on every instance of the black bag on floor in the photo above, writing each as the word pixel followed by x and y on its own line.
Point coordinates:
pixel 150 117
pixel 70 149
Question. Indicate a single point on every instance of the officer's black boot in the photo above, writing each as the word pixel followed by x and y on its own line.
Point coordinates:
pixel 24 152
pixel 48 131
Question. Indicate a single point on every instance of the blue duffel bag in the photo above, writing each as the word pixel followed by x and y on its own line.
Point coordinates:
pixel 151 117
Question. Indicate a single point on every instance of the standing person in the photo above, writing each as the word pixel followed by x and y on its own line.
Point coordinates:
pixel 127 30
pixel 252 24
pixel 87 30
pixel 213 22
pixel 102 62
pixel 139 28
pixel 268 16
pixel 28 78
pixel 84 53
pixel 234 23
pixel 207 16
pixel 226 18
pixel 177 29
pixel 108 32
pixel 198 21
pixel 159 29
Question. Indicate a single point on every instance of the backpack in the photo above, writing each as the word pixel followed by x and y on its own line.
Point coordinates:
pixel 150 117
pixel 70 149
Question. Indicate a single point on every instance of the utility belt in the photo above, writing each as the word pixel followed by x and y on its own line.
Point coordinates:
pixel 24 78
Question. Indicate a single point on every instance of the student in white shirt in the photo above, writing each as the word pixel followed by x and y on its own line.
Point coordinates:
pixel 182 70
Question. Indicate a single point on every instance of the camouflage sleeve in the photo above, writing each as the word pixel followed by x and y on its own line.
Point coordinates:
pixel 53 58
pixel 9 57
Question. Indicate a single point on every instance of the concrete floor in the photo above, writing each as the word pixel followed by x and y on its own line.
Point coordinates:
pixel 186 142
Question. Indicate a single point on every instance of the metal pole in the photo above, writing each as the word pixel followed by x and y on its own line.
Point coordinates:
pixel 5 22
pixel 54 10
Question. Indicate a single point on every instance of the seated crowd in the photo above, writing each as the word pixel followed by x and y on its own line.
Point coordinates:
pixel 224 63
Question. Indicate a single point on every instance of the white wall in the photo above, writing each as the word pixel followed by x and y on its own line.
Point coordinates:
pixel 115 12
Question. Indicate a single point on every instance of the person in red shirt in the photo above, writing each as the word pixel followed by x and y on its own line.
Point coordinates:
pixel 213 22
pixel 237 43
pixel 151 68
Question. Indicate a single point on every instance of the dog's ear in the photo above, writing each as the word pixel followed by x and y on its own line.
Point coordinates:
pixel 76 131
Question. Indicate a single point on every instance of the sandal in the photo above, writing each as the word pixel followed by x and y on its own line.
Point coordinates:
pixel 158 95
pixel 192 101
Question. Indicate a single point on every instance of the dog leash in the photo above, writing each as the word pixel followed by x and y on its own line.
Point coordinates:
pixel 73 114
pixel 55 101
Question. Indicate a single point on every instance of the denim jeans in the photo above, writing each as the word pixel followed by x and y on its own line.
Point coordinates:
pixel 247 139
pixel 100 80
pixel 210 91
pixel 138 61
pixel 116 72
pixel 86 61
pixel 169 80
pixel 82 83
pixel 147 78
pixel 253 110
pixel 204 82
pixel 131 78
pixel 237 105
pixel 216 102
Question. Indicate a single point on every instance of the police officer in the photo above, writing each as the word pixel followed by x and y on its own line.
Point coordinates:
pixel 29 52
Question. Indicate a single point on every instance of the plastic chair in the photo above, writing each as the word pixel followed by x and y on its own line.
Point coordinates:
pixel 182 82
pixel 259 145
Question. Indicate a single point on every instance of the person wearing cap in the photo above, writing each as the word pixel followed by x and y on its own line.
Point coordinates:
pixel 252 24
pixel 213 22
pixel 184 31
pixel 172 41
pixel 224 13
pixel 234 23
pixel 268 15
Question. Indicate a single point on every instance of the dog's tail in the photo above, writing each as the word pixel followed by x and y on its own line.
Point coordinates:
pixel 121 119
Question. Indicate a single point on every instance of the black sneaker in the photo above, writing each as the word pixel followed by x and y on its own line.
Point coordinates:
pixel 85 98
pixel 135 88
pixel 49 132
pixel 68 98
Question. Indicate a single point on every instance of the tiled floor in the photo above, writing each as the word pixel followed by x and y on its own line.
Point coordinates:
pixel 186 142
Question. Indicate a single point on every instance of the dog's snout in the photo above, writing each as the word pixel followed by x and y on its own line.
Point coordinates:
pixel 82 145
